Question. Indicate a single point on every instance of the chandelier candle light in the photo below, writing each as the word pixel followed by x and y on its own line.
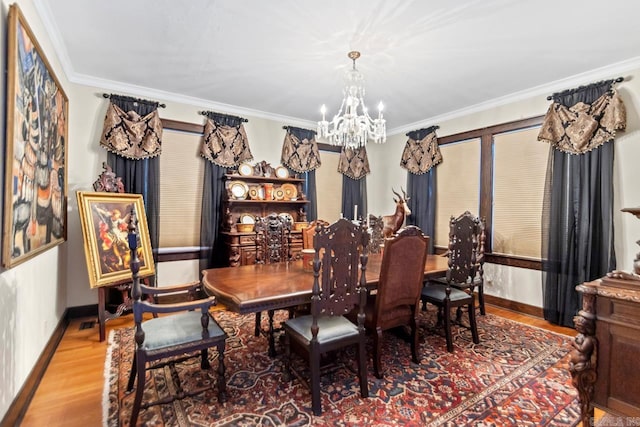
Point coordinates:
pixel 352 130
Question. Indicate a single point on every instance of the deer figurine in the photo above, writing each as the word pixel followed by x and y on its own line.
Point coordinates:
pixel 392 223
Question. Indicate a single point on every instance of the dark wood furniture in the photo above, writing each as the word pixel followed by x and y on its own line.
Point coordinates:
pixel 478 283
pixel 397 300
pixel 339 285
pixel 273 244
pixel 262 287
pixel 462 261
pixel 241 246
pixel 186 330
pixel 605 360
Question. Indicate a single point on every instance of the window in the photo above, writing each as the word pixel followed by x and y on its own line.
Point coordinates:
pixel 520 165
pixel 458 185
pixel 506 166
pixel 181 183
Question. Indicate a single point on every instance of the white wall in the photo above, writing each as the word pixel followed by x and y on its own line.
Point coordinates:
pixel 32 294
pixel 513 283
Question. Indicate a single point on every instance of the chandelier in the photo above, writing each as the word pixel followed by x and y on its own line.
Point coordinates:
pixel 349 128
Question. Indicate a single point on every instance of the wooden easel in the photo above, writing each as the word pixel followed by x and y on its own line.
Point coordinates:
pixel 108 182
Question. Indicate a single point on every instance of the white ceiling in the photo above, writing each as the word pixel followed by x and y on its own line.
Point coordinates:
pixel 425 59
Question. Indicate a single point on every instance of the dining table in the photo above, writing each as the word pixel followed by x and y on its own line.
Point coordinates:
pixel 267 287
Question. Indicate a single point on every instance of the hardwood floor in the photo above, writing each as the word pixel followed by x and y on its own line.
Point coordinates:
pixel 70 392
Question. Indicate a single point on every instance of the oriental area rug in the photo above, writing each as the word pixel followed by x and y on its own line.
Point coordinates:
pixel 517 376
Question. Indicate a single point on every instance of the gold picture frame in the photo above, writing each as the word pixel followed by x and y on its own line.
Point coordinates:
pixel 104 219
pixel 35 199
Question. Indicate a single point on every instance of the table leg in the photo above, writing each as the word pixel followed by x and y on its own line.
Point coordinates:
pixel 272 340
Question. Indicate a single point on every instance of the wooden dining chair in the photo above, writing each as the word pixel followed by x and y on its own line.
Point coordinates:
pixel 309 232
pixel 184 330
pixel 462 253
pixel 478 283
pixel 397 300
pixel 339 284
pixel 273 244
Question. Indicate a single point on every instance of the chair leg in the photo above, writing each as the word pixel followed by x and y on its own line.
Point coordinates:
pixel 137 400
pixel 481 299
pixel 447 329
pixel 132 373
pixel 314 361
pixel 362 368
pixel 272 339
pixel 440 317
pixel 459 315
pixel 414 341
pixel 204 359
pixel 222 383
pixel 377 350
pixel 473 324
pixel 287 357
pixel 258 322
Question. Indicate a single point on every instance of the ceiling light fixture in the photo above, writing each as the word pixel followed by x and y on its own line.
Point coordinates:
pixel 351 129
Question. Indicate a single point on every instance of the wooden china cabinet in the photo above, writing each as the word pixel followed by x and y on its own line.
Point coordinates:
pixel 250 194
pixel 605 361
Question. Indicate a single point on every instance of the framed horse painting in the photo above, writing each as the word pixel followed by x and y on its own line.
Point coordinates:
pixel 104 219
pixel 35 201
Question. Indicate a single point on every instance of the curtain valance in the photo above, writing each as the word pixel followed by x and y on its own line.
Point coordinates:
pixel 224 141
pixel 582 127
pixel 129 133
pixel 421 152
pixel 300 150
pixel 354 162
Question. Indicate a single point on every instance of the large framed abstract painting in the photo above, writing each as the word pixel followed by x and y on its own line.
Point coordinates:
pixel 35 200
pixel 104 218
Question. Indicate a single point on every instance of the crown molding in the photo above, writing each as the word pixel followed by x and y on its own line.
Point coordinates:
pixel 603 73
pixel 160 95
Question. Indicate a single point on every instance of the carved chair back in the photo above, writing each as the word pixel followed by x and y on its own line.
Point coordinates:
pixel 273 239
pixel 465 234
pixel 339 268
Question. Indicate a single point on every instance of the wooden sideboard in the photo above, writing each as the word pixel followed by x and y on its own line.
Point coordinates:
pixel 241 247
pixel 254 200
pixel 605 361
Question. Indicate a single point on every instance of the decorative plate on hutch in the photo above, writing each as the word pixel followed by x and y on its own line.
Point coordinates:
pixel 278 193
pixel 256 192
pixel 282 172
pixel 290 191
pixel 247 219
pixel 238 190
pixel 245 169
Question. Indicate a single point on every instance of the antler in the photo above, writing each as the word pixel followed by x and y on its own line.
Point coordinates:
pixel 404 194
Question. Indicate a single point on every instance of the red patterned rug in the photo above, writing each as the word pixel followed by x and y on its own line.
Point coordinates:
pixel 516 376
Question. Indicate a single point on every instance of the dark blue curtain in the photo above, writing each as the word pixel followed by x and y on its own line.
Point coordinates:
pixel 310 192
pixel 140 176
pixel 212 252
pixel 421 190
pixel 577 236
pixel 354 192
